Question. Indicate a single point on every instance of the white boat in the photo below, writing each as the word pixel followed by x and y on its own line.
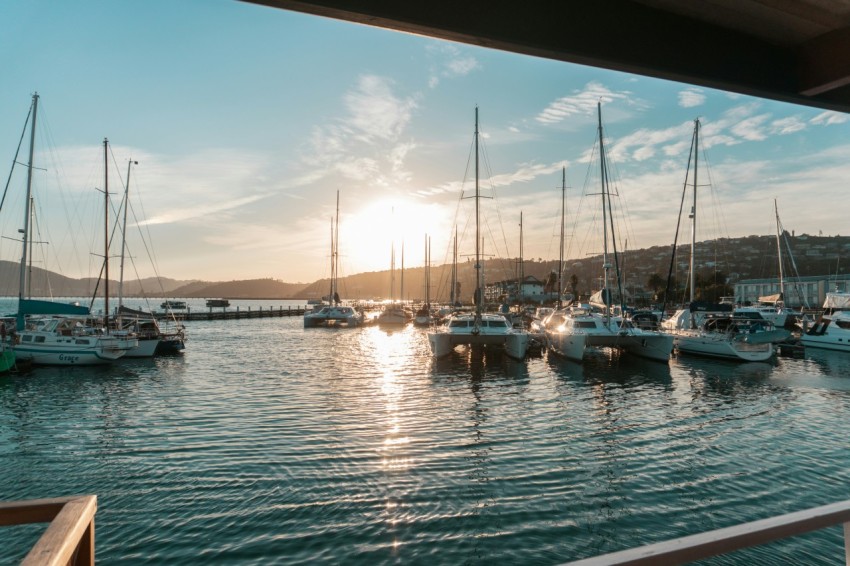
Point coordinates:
pixel 712 331
pixel 393 314
pixel 774 313
pixel 601 329
pixel 716 333
pixel 66 338
pixel 477 329
pixel 334 314
pixel 832 330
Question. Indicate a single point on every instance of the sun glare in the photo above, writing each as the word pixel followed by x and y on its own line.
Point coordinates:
pixel 369 234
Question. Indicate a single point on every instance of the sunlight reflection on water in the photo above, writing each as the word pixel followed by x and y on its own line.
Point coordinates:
pixel 266 442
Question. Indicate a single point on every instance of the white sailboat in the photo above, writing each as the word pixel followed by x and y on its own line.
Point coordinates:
pixel 334 314
pixel 52 333
pixel 712 331
pixel 602 329
pixel 143 326
pixel 478 328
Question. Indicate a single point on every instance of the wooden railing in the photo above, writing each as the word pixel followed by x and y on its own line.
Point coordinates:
pixel 721 541
pixel 69 539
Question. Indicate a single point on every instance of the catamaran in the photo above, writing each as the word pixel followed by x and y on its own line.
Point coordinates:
pixel 478 328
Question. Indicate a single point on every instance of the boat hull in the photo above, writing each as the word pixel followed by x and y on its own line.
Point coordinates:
pixel 61 355
pixel 720 346
pixel 570 346
pixel 515 345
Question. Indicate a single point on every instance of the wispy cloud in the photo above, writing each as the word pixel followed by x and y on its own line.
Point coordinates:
pixel 691 97
pixel 829 118
pixel 785 126
pixel 581 102
pixel 375 111
pixel 450 62
pixel 364 144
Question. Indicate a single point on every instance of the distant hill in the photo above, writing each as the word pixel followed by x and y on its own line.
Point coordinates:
pixel 749 257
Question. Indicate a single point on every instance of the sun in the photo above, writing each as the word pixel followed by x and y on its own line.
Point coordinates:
pixel 369 235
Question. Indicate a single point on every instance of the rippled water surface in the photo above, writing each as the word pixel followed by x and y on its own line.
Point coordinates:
pixel 267 443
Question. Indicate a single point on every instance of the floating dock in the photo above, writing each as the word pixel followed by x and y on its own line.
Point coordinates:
pixel 237 314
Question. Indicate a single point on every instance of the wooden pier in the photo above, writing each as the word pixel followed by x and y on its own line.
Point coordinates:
pixel 231 314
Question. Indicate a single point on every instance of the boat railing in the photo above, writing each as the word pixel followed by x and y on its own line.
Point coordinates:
pixel 69 539
pixel 721 541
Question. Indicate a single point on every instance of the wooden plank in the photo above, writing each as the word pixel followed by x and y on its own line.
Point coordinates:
pixel 31 511
pixel 729 539
pixel 60 541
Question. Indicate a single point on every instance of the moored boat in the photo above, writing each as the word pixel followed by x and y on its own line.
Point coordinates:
pixel 477 328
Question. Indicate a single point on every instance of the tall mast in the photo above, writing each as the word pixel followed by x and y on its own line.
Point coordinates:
pixel 401 291
pixel 26 230
pixel 335 254
pixel 694 214
pixel 453 291
pixel 106 235
pixel 779 252
pixel 604 180
pixel 124 241
pixel 521 272
pixel 478 293
pixel 561 251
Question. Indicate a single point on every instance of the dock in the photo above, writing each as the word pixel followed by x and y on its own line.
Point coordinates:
pixel 224 314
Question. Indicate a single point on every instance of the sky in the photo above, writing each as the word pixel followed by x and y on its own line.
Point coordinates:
pixel 246 121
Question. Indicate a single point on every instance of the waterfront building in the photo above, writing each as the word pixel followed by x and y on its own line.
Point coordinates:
pixel 799 292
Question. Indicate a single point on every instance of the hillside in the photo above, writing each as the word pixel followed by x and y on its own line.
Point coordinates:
pixel 749 257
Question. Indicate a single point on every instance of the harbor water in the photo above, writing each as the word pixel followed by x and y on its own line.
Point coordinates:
pixel 265 443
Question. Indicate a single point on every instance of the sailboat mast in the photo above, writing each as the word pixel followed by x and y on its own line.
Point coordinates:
pixel 478 293
pixel 605 265
pixel 692 275
pixel 401 291
pixel 106 234
pixel 124 241
pixel 521 271
pixel 779 252
pixel 26 230
pixel 334 253
pixel 561 247
pixel 453 291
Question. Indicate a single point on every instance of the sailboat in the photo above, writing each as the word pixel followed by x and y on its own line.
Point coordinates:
pixel 561 340
pixel 711 330
pixel 393 313
pixel 601 328
pixel 478 328
pixel 143 326
pixel 423 315
pixel 771 307
pixel 53 333
pixel 334 314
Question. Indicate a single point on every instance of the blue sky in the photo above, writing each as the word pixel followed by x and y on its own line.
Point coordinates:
pixel 247 120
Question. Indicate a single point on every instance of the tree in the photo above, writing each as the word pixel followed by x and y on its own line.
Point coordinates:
pixel 574 285
pixel 550 283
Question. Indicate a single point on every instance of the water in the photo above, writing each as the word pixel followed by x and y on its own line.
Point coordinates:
pixel 265 443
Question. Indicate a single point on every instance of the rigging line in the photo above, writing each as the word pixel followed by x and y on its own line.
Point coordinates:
pixel 679 221
pixel 15 159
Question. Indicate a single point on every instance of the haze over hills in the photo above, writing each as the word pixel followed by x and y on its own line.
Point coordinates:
pixel 748 257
